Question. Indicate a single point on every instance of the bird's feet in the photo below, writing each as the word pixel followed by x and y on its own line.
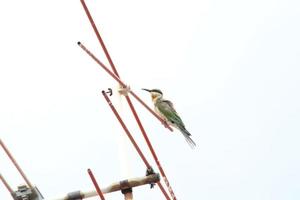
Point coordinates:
pixel 124 90
pixel 165 123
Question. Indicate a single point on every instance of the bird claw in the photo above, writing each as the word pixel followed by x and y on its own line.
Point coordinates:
pixel 124 90
pixel 165 123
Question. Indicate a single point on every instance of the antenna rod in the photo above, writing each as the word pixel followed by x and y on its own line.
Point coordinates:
pixel 96 184
pixel 6 184
pixel 134 182
pixel 126 131
pixel 99 38
pixel 16 165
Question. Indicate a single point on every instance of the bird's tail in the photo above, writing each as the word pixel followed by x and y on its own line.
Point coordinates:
pixel 188 138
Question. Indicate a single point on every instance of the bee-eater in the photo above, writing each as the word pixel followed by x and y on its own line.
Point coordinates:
pixel 165 109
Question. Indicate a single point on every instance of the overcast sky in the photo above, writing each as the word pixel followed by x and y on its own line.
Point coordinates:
pixel 231 68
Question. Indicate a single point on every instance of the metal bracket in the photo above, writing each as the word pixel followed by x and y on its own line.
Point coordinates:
pixel 23 193
pixel 124 90
pixel 125 187
pixel 110 92
pixel 74 196
pixel 26 193
pixel 150 171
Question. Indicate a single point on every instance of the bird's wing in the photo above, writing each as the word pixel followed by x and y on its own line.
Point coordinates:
pixel 167 109
pixel 170 104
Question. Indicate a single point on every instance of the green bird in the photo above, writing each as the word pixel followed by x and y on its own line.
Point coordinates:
pixel 165 109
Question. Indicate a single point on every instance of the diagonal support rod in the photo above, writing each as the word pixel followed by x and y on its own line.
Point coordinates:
pixel 16 164
pixel 6 184
pixel 100 194
pixel 132 140
pixel 126 130
pixel 99 37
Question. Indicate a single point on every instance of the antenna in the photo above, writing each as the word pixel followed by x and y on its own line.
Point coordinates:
pixel 116 76
pixel 29 192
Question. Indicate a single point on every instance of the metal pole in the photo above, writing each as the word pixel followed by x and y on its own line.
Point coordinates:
pixel 16 165
pixel 99 38
pixel 126 131
pixel 6 184
pixel 128 196
pixel 96 184
pixel 131 183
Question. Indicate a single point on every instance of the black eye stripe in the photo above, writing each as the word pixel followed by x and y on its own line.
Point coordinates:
pixel 156 90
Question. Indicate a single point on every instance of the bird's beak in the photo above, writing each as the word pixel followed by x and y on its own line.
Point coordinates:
pixel 146 90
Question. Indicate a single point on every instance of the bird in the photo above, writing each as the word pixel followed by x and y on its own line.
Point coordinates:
pixel 165 109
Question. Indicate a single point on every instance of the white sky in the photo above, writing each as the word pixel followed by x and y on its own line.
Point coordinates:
pixel 231 67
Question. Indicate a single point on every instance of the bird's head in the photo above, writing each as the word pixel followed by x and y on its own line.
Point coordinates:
pixel 155 93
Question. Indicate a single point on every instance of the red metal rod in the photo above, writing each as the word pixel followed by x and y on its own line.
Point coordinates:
pixel 151 148
pixel 99 38
pixel 126 130
pixel 132 139
pixel 6 184
pixel 163 190
pixel 96 184
pixel 122 83
pixel 16 164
